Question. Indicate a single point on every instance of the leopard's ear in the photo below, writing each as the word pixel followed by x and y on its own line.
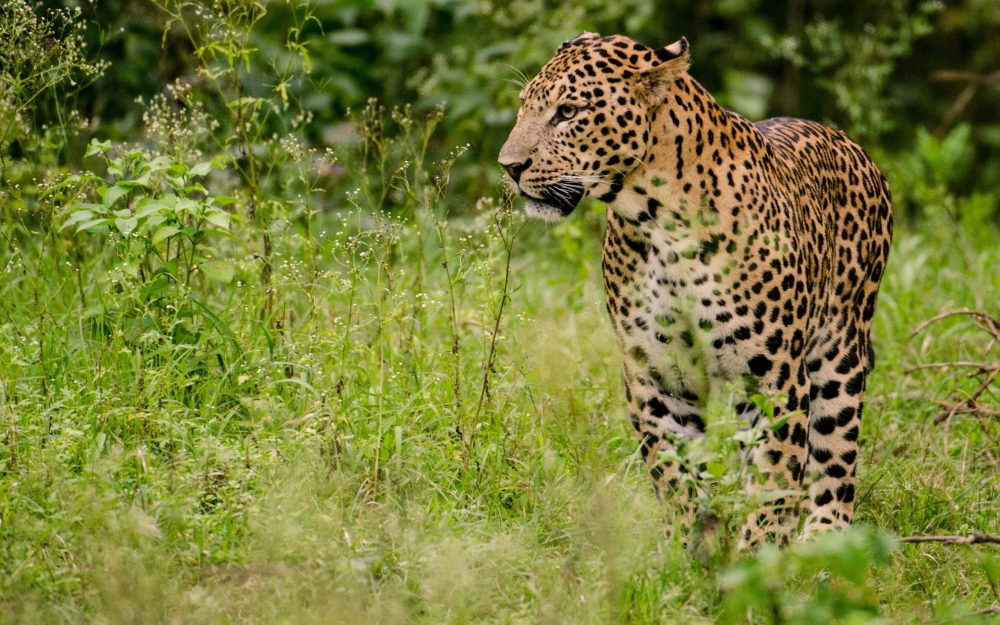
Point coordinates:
pixel 668 64
pixel 585 36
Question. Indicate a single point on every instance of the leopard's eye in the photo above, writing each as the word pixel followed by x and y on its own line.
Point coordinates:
pixel 566 111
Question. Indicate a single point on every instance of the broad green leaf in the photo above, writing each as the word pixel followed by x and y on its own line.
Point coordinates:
pixel 154 220
pixel 168 268
pixel 201 169
pixel 225 200
pixel 218 218
pixel 185 204
pixel 160 163
pixel 93 223
pixel 149 206
pixel 77 217
pixel 225 234
pixel 143 180
pixel 126 226
pixel 113 194
pixel 164 233
pixel 98 147
pixel 220 270
pixel 715 469
pixel 153 288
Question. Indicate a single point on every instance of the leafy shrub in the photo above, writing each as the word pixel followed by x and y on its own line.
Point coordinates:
pixel 164 228
pixel 826 580
pixel 927 183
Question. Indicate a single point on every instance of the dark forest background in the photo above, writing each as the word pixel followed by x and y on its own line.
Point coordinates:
pixel 917 83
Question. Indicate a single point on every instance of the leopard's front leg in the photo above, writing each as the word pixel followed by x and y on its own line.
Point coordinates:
pixel 779 457
pixel 660 419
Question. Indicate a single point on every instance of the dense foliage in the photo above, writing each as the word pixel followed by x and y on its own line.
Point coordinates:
pixel 890 73
pixel 275 346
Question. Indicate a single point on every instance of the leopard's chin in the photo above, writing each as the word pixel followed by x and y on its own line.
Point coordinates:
pixel 555 202
pixel 540 210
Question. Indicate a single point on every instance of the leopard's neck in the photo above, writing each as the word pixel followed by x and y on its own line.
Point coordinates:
pixel 695 153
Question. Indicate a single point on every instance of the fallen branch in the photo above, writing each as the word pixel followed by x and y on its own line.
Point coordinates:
pixel 994 324
pixel 971 539
pixel 968 405
pixel 993 609
pixel 981 366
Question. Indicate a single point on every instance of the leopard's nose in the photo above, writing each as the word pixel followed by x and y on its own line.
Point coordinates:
pixel 514 170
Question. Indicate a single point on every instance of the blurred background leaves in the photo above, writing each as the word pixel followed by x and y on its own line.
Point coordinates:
pixel 899 76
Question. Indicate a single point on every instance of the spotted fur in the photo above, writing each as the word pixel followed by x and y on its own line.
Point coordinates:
pixel 734 251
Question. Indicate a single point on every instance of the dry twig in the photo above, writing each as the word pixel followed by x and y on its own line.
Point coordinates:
pixel 971 539
pixel 973 82
pixel 969 405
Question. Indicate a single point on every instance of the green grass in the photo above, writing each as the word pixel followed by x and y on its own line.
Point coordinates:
pixel 319 463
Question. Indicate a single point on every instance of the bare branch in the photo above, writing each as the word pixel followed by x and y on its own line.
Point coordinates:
pixel 971 539
pixel 946 365
pixel 969 405
pixel 965 311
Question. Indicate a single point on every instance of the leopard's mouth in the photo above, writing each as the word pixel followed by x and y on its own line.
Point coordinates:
pixel 555 202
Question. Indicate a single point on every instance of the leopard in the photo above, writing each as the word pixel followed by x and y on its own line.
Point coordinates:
pixel 736 254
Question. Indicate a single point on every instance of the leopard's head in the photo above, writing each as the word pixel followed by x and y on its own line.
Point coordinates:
pixel 584 122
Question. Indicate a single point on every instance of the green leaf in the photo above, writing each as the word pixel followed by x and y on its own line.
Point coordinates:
pixel 126 226
pixel 218 218
pixel 77 217
pixel 164 233
pixel 97 147
pixel 201 169
pixel 715 469
pixel 148 206
pixel 168 268
pixel 220 270
pixel 160 163
pixel 154 220
pixel 92 224
pixel 113 194
pixel 224 234
pixel 143 180
pixel 225 200
pixel 154 288
pixel 185 204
